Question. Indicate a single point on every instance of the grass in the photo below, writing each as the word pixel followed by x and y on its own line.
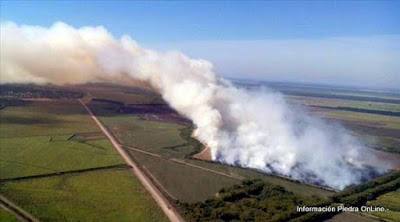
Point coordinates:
pixel 6 216
pixel 387 144
pixel 107 195
pixel 39 155
pixel 48 137
pixel 389 201
pixel 156 137
pixel 312 101
pixel 350 217
pixel 44 143
pixel 292 186
pixel 183 182
pixel 379 121
pixel 83 137
pixel 126 95
pixel 379 132
pixel 45 118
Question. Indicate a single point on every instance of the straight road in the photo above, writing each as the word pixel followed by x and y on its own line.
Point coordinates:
pixel 21 214
pixel 183 163
pixel 168 209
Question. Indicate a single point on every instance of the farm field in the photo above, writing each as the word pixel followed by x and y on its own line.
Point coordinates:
pixel 350 217
pixel 38 155
pixel 390 201
pixel 184 183
pixel 51 150
pixel 376 124
pixel 45 146
pixel 6 216
pixel 246 174
pixel 157 137
pixel 331 102
pixel 42 118
pixel 123 94
pixel 105 195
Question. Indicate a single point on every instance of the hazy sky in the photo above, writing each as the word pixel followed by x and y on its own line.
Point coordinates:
pixel 340 42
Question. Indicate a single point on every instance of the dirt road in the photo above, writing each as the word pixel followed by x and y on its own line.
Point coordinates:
pixel 183 163
pixel 168 209
pixel 21 214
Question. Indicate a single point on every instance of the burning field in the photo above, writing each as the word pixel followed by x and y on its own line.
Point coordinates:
pixel 254 129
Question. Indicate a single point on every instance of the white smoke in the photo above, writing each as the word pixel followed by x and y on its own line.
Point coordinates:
pixel 255 129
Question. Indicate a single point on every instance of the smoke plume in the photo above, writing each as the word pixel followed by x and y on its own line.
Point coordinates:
pixel 255 129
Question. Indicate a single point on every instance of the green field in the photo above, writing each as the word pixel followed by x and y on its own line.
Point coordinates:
pixel 43 144
pixel 45 137
pixel 309 101
pixel 105 195
pixel 290 185
pixel 123 94
pixel 156 137
pixel 183 182
pixel 389 201
pixel 59 117
pixel 377 131
pixel 28 156
pixel 6 216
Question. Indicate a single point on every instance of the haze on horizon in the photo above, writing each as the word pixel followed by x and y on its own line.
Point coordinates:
pixel 339 43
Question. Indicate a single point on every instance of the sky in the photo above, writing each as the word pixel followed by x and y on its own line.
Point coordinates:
pixel 331 42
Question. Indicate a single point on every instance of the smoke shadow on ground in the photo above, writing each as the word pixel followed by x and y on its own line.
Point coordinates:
pixel 151 112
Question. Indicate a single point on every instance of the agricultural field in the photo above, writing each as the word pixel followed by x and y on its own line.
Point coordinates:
pixel 245 174
pixel 43 118
pixel 122 94
pixel 7 216
pixel 157 137
pixel 38 138
pixel 189 184
pixel 105 195
pixel 376 124
pixel 56 164
pixel 389 201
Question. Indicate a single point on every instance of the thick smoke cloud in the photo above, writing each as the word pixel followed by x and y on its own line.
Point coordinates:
pixel 255 129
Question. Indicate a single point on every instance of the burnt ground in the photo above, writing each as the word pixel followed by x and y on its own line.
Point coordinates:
pixel 155 112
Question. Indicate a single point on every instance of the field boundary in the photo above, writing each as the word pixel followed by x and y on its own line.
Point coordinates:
pixel 182 162
pixel 15 210
pixel 119 166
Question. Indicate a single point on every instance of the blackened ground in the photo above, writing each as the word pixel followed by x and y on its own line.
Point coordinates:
pixel 155 112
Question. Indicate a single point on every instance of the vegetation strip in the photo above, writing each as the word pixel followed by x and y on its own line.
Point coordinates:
pixel 352 109
pixel 20 213
pixel 258 200
pixel 346 97
pixel 119 166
